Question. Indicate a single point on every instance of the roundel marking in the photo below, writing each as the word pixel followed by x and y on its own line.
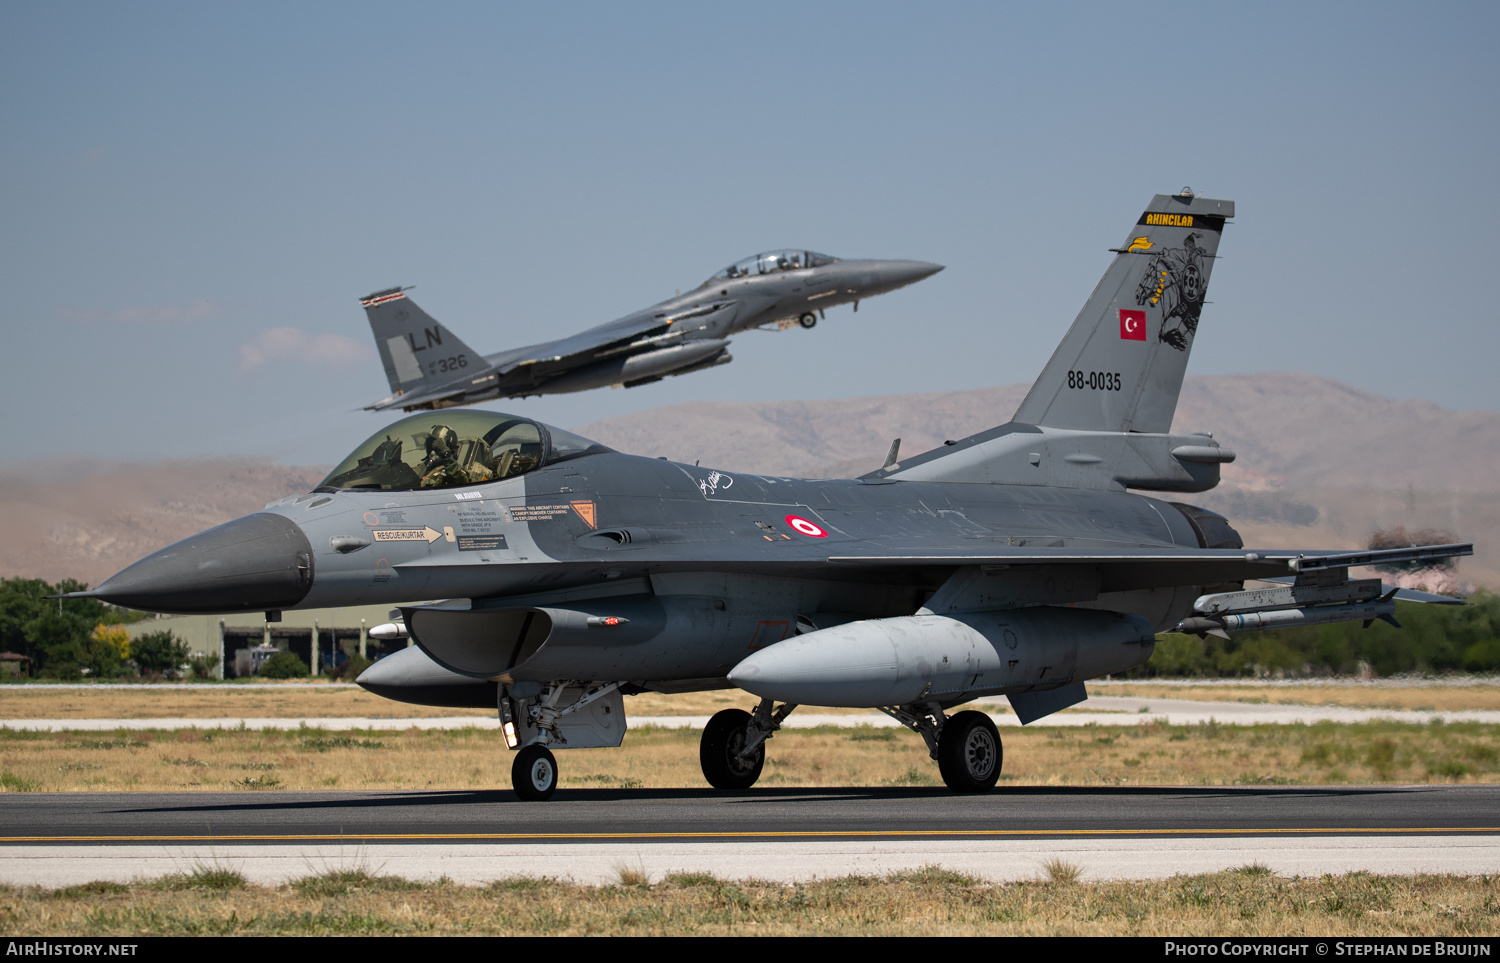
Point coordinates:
pixel 805 527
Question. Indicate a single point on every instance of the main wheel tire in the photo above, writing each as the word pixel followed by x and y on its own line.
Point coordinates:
pixel 808 320
pixel 718 752
pixel 969 753
pixel 534 774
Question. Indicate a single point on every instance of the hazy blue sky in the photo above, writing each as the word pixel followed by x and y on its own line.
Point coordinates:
pixel 192 196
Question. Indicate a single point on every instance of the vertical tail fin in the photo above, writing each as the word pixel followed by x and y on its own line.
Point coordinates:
pixel 416 351
pixel 1121 365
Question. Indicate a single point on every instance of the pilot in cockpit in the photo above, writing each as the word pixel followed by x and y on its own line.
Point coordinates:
pixel 452 462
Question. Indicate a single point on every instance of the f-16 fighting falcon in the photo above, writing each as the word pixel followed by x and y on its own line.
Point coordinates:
pixel 1020 561
pixel 429 367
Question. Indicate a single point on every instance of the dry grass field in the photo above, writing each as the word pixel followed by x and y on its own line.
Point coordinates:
pixel 1148 753
pixel 320 701
pixel 1250 901
pixel 1479 696
pixel 325 701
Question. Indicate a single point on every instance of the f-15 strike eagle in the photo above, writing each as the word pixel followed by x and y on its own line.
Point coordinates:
pixel 429 367
pixel 1020 561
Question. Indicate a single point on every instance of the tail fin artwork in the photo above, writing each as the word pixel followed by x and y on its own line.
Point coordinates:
pixel 1101 412
pixel 1120 368
pixel 418 353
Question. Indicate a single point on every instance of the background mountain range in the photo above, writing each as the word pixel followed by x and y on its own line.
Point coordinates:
pixel 1321 465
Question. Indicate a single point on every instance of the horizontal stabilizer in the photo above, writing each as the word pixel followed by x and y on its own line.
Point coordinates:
pixel 1402 594
pixel 1382 556
pixel 422 399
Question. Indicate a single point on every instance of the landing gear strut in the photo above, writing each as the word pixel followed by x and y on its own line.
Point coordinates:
pixel 533 774
pixel 733 750
pixel 966 746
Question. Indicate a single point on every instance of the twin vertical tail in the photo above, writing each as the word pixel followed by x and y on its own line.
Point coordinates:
pixel 1121 365
pixel 418 353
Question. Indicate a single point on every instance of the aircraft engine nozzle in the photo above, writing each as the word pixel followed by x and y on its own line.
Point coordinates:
pixel 259 562
pixel 944 658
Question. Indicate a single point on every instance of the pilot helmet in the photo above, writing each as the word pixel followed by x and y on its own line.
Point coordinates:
pixel 442 441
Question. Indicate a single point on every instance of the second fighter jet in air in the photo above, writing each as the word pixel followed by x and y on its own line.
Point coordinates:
pixel 427 365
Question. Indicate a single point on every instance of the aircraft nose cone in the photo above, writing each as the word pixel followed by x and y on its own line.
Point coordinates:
pixel 262 561
pixel 890 275
pixel 917 270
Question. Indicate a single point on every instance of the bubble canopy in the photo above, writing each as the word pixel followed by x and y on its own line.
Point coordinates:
pixel 449 449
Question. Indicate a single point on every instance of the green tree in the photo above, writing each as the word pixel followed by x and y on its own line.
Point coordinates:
pixel 1431 638
pixel 285 665
pixel 161 653
pixel 56 633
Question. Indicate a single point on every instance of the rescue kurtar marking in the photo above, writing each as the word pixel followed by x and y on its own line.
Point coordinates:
pixel 407 535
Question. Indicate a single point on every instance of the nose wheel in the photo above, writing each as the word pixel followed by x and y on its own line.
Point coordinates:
pixel 722 754
pixel 533 774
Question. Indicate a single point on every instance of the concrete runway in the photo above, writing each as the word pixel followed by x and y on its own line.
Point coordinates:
pixel 787 834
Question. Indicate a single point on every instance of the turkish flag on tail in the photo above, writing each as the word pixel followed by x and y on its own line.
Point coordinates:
pixel 1132 325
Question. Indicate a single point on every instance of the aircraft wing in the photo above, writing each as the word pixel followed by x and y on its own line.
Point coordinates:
pixel 534 365
pixel 642 331
pixel 1126 569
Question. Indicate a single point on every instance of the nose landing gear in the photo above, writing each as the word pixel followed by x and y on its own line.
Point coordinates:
pixel 533 774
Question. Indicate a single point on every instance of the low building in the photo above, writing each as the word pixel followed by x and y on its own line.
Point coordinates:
pixel 339 634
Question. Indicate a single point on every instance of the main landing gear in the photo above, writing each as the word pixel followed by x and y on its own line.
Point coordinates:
pixel 969 753
pixel 966 746
pixel 733 749
pixel 808 320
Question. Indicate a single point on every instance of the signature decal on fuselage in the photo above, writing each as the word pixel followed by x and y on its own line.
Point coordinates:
pixel 714 482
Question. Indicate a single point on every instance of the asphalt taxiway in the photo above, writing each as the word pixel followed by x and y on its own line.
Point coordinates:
pixel 588 835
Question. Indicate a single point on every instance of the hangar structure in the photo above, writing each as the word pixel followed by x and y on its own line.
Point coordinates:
pixel 340 633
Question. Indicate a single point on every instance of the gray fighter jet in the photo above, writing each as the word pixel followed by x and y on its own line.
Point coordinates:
pixel 1019 561
pixel 429 367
